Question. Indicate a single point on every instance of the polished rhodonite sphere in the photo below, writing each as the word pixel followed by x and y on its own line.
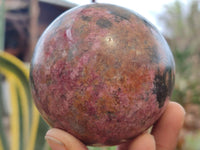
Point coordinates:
pixel 102 73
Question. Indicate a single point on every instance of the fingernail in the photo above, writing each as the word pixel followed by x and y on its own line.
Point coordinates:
pixel 54 143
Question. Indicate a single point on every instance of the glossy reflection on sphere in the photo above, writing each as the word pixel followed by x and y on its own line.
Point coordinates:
pixel 102 73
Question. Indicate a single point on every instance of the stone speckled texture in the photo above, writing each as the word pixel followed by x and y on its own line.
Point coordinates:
pixel 102 73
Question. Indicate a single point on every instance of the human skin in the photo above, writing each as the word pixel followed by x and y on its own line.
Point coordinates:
pixel 163 136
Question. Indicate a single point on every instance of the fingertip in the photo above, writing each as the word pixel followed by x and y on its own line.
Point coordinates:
pixel 175 114
pixel 144 141
pixel 168 127
pixel 178 108
pixel 61 140
pixel 54 143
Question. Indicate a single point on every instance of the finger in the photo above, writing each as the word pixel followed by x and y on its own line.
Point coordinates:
pixel 167 129
pixel 143 142
pixel 61 140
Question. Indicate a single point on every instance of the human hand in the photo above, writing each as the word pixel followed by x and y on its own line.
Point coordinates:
pixel 163 136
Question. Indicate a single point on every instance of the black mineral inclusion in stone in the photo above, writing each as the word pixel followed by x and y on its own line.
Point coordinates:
pixel 86 18
pixel 103 23
pixel 161 88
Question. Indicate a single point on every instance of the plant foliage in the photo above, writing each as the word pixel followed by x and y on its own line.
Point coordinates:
pixel 24 119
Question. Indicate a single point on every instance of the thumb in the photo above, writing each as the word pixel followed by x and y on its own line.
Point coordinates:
pixel 61 140
pixel 144 141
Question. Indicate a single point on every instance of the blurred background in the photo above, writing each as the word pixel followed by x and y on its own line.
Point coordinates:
pixel 23 21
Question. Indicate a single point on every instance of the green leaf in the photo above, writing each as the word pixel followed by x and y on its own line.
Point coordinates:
pixel 27 127
pixel 3 139
pixel 2 24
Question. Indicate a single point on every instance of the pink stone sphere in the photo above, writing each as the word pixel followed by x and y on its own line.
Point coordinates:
pixel 102 73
